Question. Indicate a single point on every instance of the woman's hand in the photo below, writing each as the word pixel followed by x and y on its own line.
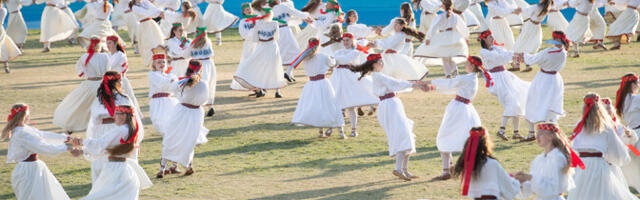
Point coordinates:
pixel 76 142
pixel 517 11
pixel 427 42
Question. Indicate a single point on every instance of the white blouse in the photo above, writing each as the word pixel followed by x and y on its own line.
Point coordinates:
pixel 205 51
pixel 244 28
pixel 464 86
pixel 98 146
pixel 159 82
pixel 548 179
pixel 196 95
pixel 441 23
pixel 169 4
pixel 264 30
pixel 285 13
pixel 607 142
pixel 118 62
pixel 361 31
pixel 383 84
pixel 583 6
pixel 620 131
pixel 394 42
pixel 26 140
pixel 499 8
pixel 324 21
pixel 15 5
pixel 174 49
pixel 461 5
pixel 389 29
pixel 99 111
pixel 493 180
pixel 349 57
pixel 495 57
pixel 318 64
pixel 97 10
pixel 97 66
pixel 431 6
pixel 549 59
pixel 532 12
pixel 146 9
pixel 631 111
pixel 58 3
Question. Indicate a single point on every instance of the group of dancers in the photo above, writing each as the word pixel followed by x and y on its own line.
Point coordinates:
pixel 182 82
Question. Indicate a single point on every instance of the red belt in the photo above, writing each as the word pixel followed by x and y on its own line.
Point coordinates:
pixel 52 5
pixel 190 106
pixel 530 20
pixel 387 96
pixel 632 7
pixel 589 154
pixel 108 120
pixel 145 19
pixel 344 66
pixel 497 69
pixel 317 77
pixel 160 95
pixel 497 17
pixel 31 158
pixel 207 58
pixel 448 29
pixel 390 51
pixel 548 72
pixel 94 78
pixel 486 197
pixel 407 40
pixel 267 40
pixel 127 11
pixel 462 100
pixel 456 11
pixel 117 159
pixel 585 14
pixel 174 59
pixel 553 10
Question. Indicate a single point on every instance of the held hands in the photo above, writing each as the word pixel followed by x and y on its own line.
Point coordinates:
pixel 427 42
pixel 77 142
pixel 421 85
pixel 522 177
pixel 517 11
pixel 74 152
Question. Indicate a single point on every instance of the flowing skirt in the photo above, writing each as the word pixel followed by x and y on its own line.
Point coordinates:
pixel 579 29
pixel 8 49
pixel 511 92
pixel 263 69
pixel 625 24
pixel 352 92
pixel 557 22
pixel 403 67
pixel 160 110
pixel 33 180
pixel 216 19
pixel 179 141
pixel 598 181
pixel 119 180
pixel 210 77
pixel 74 112
pixel 597 25
pixel 529 39
pixel 148 36
pixel 247 49
pixel 448 44
pixel 502 32
pixel 477 12
pixel 458 119
pixel 631 170
pixel 318 106
pixel 545 98
pixel 56 25
pixel 289 48
pixel 99 29
pixel 17 28
pixel 397 126
pixel 425 21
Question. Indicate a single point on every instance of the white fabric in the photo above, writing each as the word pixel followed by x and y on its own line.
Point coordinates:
pixel 118 17
pixel 597 25
pixel 530 36
pixel 8 49
pixel 546 94
pixel 579 27
pixel 445 43
pixel 477 12
pixel 632 169
pixel 168 4
pixel 16 26
pixel 398 65
pixel 556 20
pixel 118 62
pixel 160 109
pixel 310 31
pixel 350 91
pixel 56 25
pixel 289 48
pixel 26 140
pixel 216 19
pixel 493 180
pixel 458 117
pixel 248 46
pixel 170 18
pixel 175 51
pixel 148 34
pixel 198 21
pixel 407 47
pixel 548 178
pixel 510 90
pixel 631 111
pixel 626 23
pixel 208 70
pixel 100 25
pixel 500 27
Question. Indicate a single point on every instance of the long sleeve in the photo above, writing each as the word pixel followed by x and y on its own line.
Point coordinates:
pixel 330 61
pixel 52 138
pixel 39 145
pixel 395 84
pixel 499 9
pixel 175 51
pixel 509 186
pixel 80 68
pixel 549 183
pixel 435 25
pixel 391 41
pixel 99 145
pixel 388 30
pixel 532 59
pixel 431 6
pixel 150 11
pixel 616 152
pixel 447 85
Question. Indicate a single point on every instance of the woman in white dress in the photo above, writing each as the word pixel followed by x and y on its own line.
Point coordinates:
pixel 216 19
pixel 550 174
pixel 121 176
pixel 244 28
pixel 627 107
pixel 56 25
pixel 184 128
pixel 510 90
pixel 361 32
pixel 186 16
pixel 31 179
pixel 176 45
pixel 406 13
pixel 460 115
pixel 498 10
pixel 148 33
pixel 351 91
pixel 391 114
pixel 16 26
pixel 445 42
pixel 131 23
pixel 401 66
pixel 476 10
pixel 318 105
pixel 629 137
pixel 118 62
pixel 428 8
pixel 289 48
pixel 73 113
pixel 198 20
pixel 625 25
pixel 329 25
pixel 530 36
pixel 161 101
pixel 545 98
pixel 262 70
pixel 8 49
pixel 201 49
pixel 482 175
pixel 313 7
pixel 597 25
pixel 555 19
pixel 460 7
pixel 578 30
pixel 100 11
pixel 602 152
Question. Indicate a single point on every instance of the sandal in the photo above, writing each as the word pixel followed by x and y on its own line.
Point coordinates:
pixel 189 172
pixel 529 138
pixel 373 110
pixel 442 177
pixel 501 134
pixel 354 133
pixel 360 112
pixel 516 136
pixel 400 175
pixel 329 132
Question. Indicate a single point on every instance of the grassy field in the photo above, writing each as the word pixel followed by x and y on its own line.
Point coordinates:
pixel 255 153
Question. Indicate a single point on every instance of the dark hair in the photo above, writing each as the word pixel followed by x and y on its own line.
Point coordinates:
pixel 349 13
pixel 171 34
pixel 564 42
pixel 476 69
pixel 311 6
pixel 257 4
pixel 625 91
pixel 364 68
pixel 132 3
pixel 121 149
pixel 195 77
pixel 118 46
pixel 446 4
pixel 416 3
pixel 407 12
pixel 102 92
pixel 273 3
pixel 485 151
pixel 545 5
pixel 313 53
pixel 189 10
pixel 334 35
pixel 484 44
pixel 410 30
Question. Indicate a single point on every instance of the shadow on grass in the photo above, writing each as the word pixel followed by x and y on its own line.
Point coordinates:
pixel 609 67
pixel 596 83
pixel 39 85
pixel 343 192
pixel 77 191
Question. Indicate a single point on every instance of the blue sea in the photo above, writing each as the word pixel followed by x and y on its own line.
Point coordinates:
pixel 371 12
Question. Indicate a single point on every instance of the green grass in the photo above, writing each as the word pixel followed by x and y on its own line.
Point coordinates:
pixel 255 153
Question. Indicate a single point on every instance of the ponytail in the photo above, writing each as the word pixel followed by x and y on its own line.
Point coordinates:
pixel 188 10
pixel 409 30
pixel 364 68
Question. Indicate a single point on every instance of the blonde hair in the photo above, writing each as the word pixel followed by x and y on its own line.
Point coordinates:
pixel 557 140
pixel 596 120
pixel 15 121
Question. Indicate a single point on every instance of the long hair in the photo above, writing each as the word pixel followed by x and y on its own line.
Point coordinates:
pixel 349 13
pixel 194 76
pixel 484 152
pixel 15 121
pixel 313 52
pixel 484 44
pixel 409 30
pixel 623 93
pixel 557 142
pixel 477 69
pixel 173 29
pixel 132 3
pixel 364 68
pixel 188 10
pixel 407 12
pixel 546 6
pixel 335 33
pixel 447 4
pixel 596 119
pixel 200 42
pixel 416 3
pixel 113 86
pixel 121 149
pixel 257 4
pixel 311 6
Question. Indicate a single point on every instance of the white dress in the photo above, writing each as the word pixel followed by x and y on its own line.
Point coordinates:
pixel 131 23
pixel 216 19
pixel 118 180
pixel 199 20
pixel 101 25
pixel 56 24
pixel 208 71
pixel 546 95
pixel 476 10
pixel 8 49
pixel 459 117
pixel 185 125
pixel 179 59
pixel 510 90
pixel 391 115
pixel 289 48
pixel 248 46
pixel 429 9
pixel 148 34
pixel 447 38
pixel 16 26
pixel 630 170
pixel 33 180
pixel 323 23
pixel 161 107
pixel 73 112
pixel 498 24
pixel 118 17
pixel 579 27
pixel 398 65
pixel 310 30
pixel 513 19
pixel 318 105
pixel 530 36
pixel 597 25
pixel 460 7
pixel 548 179
pixel 493 180
pixel 555 19
pixel 170 18
pixel 631 117
pixel 362 33
pixel 600 179
pixel 407 48
pixel 626 23
pixel 263 69
pixel 350 91
pixel 118 62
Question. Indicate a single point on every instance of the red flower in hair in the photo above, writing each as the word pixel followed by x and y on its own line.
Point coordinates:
pixel 375 56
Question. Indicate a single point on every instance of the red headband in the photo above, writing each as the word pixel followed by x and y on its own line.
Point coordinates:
pixel 347 35
pixel 375 56
pixel 484 35
pixel 589 103
pixel 314 43
pixel 195 68
pixel 575 159
pixel 470 158
pixel 92 49
pixel 624 81
pixel 486 74
pixel 561 36
pixel 112 38
pixel 17 110
pixel 123 109
pixel 159 56
pixel 135 134
pixel 109 105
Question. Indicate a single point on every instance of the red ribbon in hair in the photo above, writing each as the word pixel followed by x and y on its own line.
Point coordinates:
pixel 375 56
pixel 624 81
pixel 135 134
pixel 470 159
pixel 484 35
pixel 254 19
pixel 575 159
pixel 363 49
pixel 347 35
pixel 92 49
pixel 200 34
pixel 112 38
pixel 486 74
pixel 110 104
pixel 194 68
pixel 159 56
pixel 314 43
pixel 589 103
pixel 17 110
pixel 633 149
pixel 561 36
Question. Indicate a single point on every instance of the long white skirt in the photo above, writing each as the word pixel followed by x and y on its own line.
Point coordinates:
pixel 598 181
pixel 425 21
pixel 8 49
pixel 210 77
pixel 597 25
pixel 470 19
pixel 625 24
pixel 132 25
pixel 318 106
pixel 352 92
pixel 149 36
pixel 179 141
pixel 631 170
pixel 33 180
pixel 529 39
pixel 179 67
pixel 191 28
pixel 475 9
pixel 397 126
pixel 247 49
pixel 289 48
pixel 99 29
pixel 118 17
pixel 578 29
pixel 557 22
pixel 17 28
pixel 74 112
pixel 128 90
pixel 56 25
pixel 262 69
pixel 160 110
pixel 502 32
pixel 545 98
pixel 448 44
pixel 458 119
pixel 403 67
pixel 406 50
pixel 119 180
pixel 216 19
pixel 511 92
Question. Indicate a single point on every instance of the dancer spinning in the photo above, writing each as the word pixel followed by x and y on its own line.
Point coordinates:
pixel 148 34
pixel 314 8
pixel 530 36
pixel 578 30
pixel 244 27
pixel 429 9
pixel 555 19
pixel 361 32
pixel 627 107
pixel 8 49
pixel 176 45
pixel 201 49
pixel 216 19
pixel 625 25
pixel 16 27
pixel 391 114
pixel 100 11
pixel 406 13
pixel 498 24
pixel 186 16
pixel 56 25
pixel 401 66
pixel 289 48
